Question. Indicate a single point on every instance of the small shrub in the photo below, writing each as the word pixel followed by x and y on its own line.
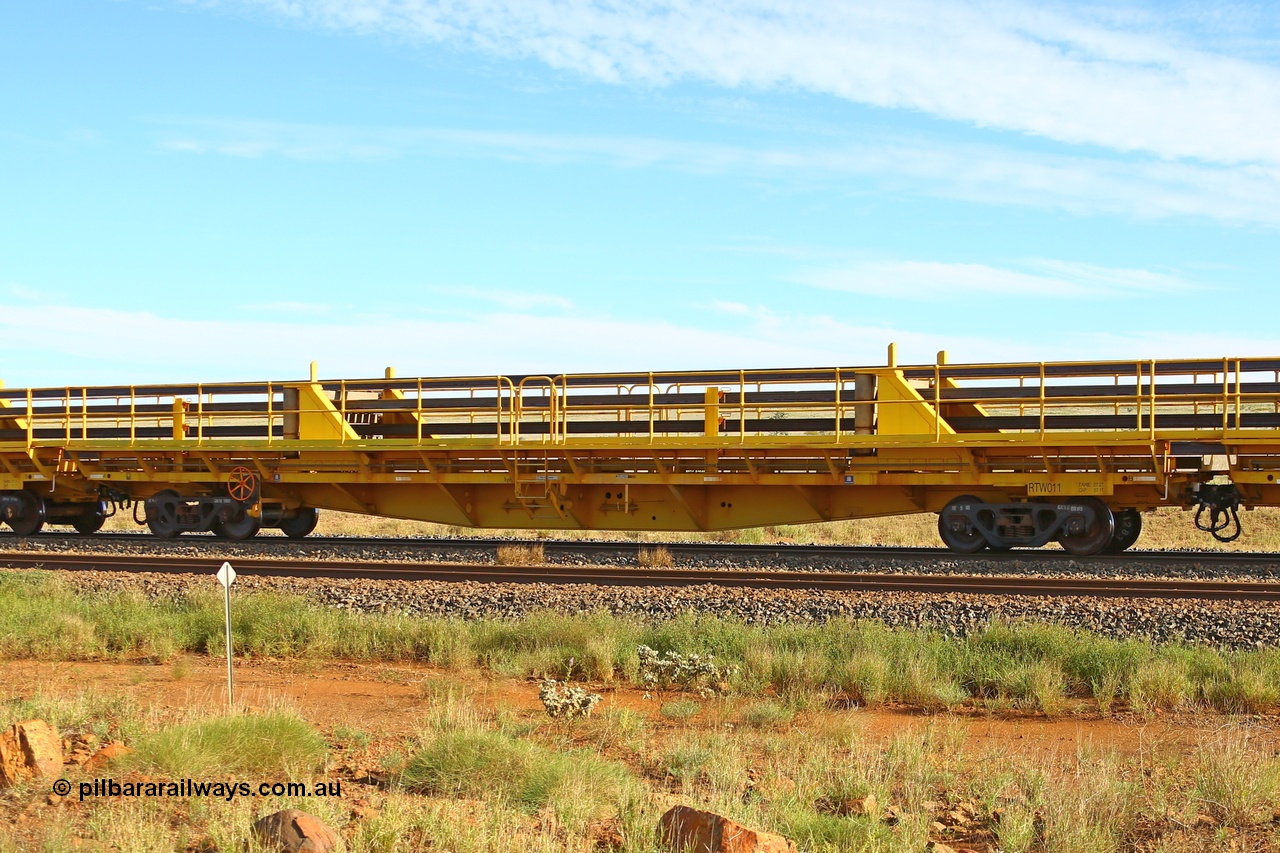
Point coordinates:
pixel 561 700
pixel 521 555
pixel 687 672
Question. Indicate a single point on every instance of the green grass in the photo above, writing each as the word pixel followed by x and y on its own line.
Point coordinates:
pixel 1029 666
pixel 680 710
pixel 277 742
pixel 577 786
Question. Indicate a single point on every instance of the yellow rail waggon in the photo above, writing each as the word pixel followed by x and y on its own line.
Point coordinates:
pixel 1008 455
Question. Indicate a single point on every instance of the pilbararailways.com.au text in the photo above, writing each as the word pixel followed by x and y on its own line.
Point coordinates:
pixel 227 790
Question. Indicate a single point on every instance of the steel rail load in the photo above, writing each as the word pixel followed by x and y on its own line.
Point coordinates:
pixel 1008 455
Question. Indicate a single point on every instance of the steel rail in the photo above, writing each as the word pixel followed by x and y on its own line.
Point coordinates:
pixel 674 577
pixel 730 551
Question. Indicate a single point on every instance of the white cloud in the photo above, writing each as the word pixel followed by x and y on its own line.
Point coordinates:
pixel 1117 81
pixel 983 173
pixel 933 281
pixel 509 300
pixel 287 308
pixel 755 337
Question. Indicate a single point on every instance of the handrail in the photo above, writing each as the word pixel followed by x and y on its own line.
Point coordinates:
pixel 1146 398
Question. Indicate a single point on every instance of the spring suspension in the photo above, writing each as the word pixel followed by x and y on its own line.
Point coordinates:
pixel 1221 501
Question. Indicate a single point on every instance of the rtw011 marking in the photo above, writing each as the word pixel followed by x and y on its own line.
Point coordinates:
pixel 1073 487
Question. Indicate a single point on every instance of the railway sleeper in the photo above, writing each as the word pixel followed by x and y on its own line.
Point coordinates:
pixel 1082 525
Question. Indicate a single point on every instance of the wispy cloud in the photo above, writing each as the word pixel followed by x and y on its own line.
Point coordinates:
pixel 1076 74
pixel 754 336
pixel 303 309
pixel 975 172
pixel 509 300
pixel 933 281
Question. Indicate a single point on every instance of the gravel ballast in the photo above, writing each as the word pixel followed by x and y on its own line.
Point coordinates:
pixel 1042 563
pixel 1236 625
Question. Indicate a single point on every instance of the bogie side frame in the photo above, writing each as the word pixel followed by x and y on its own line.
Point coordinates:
pixel 1010 453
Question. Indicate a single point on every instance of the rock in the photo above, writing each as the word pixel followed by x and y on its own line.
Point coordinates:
pixel 606 835
pixel 688 830
pixel 115 749
pixel 867 806
pixel 293 831
pixel 31 749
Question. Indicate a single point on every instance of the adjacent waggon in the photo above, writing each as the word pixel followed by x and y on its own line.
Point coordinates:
pixel 1008 455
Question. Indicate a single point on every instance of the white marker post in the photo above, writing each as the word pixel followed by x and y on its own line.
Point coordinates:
pixel 226 577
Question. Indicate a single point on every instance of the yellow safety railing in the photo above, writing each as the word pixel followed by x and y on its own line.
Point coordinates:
pixel 940 403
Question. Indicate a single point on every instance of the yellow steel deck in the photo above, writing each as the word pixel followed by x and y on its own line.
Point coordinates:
pixel 666 451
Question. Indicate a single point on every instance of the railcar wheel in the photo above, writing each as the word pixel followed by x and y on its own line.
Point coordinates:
pixel 1095 538
pixel 1128 529
pixel 164 520
pixel 90 522
pixel 246 527
pixel 30 520
pixel 968 540
pixel 302 522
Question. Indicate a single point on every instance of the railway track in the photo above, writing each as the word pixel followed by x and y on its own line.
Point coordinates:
pixel 666 577
pixel 693 550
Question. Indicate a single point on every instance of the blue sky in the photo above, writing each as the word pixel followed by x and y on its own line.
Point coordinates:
pixel 229 189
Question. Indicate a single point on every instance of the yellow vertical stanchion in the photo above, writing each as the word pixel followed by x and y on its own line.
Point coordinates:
pixel 651 407
pixel 342 409
pixel 1042 402
pixel 179 428
pixel 839 384
pixel 1153 400
pixel 942 359
pixel 1226 395
pixel 1239 413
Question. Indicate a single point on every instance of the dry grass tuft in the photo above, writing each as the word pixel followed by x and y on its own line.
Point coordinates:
pixel 655 558
pixel 521 555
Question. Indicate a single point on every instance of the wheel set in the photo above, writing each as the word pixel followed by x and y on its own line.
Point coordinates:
pixel 26 513
pixel 1083 526
pixel 238 512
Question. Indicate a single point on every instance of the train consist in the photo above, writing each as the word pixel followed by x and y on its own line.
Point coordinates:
pixel 1008 455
